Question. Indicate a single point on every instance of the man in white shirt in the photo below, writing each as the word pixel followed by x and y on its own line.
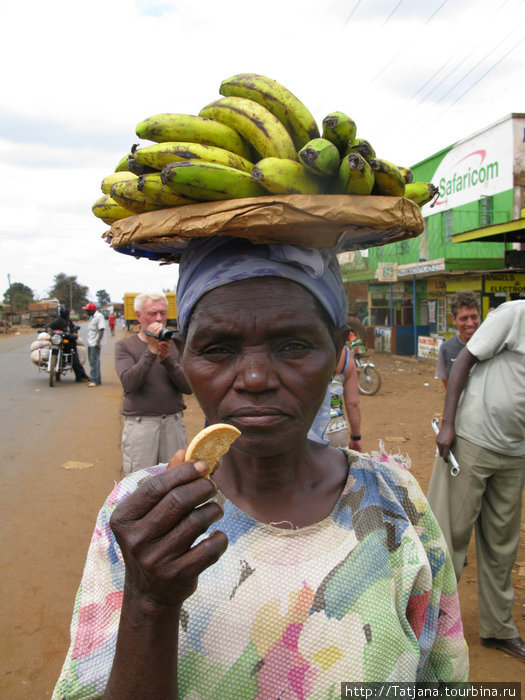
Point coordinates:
pixel 488 429
pixel 95 332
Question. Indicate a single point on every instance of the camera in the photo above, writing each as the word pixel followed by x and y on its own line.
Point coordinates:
pixel 164 334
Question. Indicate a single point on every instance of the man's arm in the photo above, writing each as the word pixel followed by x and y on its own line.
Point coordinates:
pixel 351 402
pixel 171 363
pixel 456 383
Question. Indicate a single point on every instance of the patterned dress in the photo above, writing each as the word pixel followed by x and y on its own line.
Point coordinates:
pixel 367 594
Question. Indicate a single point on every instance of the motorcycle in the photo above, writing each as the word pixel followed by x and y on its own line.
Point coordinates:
pixel 56 355
pixel 368 378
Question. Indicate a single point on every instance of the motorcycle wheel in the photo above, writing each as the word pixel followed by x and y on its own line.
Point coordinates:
pixel 369 381
pixel 52 368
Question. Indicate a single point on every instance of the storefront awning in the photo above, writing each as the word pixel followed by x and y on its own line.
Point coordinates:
pixel 509 232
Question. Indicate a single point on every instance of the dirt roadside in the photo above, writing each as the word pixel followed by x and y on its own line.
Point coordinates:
pixel 46 529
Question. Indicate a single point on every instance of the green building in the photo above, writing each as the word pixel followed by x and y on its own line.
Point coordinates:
pixel 474 238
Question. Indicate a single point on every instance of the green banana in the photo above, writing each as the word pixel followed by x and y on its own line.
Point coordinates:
pixel 209 181
pixel 155 191
pixel 285 176
pixel 109 210
pixel 127 194
pixel 123 163
pixel 259 127
pixel 421 192
pixel 339 128
pixel 197 129
pixel 355 175
pixel 389 180
pixel 118 176
pixel 160 154
pixel 320 156
pixel 361 146
pixel 278 100
pixel 408 175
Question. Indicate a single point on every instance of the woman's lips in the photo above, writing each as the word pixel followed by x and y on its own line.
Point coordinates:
pixel 250 417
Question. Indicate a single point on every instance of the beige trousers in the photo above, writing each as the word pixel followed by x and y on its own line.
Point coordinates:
pixel 486 495
pixel 150 440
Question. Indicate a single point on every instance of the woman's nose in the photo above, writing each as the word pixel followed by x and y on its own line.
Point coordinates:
pixel 256 373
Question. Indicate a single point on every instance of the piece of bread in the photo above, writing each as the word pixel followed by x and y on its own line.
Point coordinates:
pixel 211 443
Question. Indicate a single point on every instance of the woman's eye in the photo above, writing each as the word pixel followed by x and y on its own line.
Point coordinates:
pixel 294 346
pixel 217 350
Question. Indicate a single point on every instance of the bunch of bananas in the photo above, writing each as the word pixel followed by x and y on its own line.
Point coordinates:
pixel 256 139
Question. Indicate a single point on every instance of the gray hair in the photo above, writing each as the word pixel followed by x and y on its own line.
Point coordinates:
pixel 139 300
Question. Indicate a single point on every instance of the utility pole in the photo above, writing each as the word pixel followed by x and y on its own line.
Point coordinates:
pixel 10 297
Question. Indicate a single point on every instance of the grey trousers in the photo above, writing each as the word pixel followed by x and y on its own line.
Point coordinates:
pixel 486 495
pixel 150 440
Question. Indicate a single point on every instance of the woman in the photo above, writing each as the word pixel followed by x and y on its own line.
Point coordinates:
pixel 304 565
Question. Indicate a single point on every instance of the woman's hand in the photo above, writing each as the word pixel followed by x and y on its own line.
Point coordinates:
pixel 156 527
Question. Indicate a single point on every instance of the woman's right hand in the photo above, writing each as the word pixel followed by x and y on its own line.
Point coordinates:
pixel 156 527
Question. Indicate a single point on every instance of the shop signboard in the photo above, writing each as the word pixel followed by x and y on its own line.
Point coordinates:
pixel 386 272
pixel 505 283
pixel 481 165
pixel 456 284
pixel 436 288
pixel 427 348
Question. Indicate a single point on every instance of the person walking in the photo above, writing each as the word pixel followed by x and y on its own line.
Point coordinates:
pixel 153 382
pixel 487 430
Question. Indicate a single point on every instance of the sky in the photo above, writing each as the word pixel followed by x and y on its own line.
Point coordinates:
pixel 77 77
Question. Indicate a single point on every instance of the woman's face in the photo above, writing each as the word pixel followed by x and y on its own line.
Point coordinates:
pixel 259 355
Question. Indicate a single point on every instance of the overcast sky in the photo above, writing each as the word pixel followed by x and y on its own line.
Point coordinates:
pixel 77 77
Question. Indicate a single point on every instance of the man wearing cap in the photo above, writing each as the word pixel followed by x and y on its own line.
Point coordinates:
pixel 95 332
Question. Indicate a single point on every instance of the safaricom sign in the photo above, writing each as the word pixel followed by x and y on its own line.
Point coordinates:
pixel 480 165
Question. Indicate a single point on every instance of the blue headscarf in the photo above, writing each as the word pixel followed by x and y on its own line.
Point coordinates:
pixel 208 263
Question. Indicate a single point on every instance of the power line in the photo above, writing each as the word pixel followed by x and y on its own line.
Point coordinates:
pixel 404 48
pixel 352 13
pixel 390 15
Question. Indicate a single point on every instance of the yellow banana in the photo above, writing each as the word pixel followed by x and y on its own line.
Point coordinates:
pixel 259 127
pixel 155 191
pixel 320 156
pixel 198 179
pixel 407 174
pixel 187 127
pixel 123 163
pixel 355 175
pixel 109 210
pixel 127 194
pixel 421 192
pixel 388 178
pixel 118 176
pixel 278 100
pixel 160 154
pixel 361 146
pixel 285 176
pixel 339 128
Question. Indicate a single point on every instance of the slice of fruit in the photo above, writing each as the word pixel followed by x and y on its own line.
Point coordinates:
pixel 211 443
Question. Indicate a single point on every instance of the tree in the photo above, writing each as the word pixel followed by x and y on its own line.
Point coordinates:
pixel 103 297
pixel 68 291
pixel 18 296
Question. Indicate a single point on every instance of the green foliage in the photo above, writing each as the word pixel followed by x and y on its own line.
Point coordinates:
pixel 68 291
pixel 18 296
pixel 103 298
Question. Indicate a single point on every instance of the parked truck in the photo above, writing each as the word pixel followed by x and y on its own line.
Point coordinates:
pixel 42 313
pixel 129 309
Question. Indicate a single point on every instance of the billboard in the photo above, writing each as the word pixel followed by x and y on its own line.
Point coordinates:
pixel 481 165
